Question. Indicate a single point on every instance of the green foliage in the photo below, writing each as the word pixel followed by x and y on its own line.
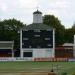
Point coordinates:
pixel 13 24
pixel 9 30
pixel 73 27
pixel 69 34
pixel 52 21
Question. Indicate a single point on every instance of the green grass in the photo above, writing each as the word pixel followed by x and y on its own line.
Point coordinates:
pixel 20 66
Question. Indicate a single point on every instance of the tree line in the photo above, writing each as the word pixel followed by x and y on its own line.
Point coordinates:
pixel 9 30
pixel 62 35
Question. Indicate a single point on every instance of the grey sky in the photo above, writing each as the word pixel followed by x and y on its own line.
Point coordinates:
pixel 23 9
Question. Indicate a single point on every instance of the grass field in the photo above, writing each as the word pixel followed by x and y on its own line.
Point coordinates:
pixel 33 67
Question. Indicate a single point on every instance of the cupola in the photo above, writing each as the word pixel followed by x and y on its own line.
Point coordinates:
pixel 37 17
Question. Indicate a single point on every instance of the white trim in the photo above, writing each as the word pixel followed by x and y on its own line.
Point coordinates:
pixel 34 48
pixel 6 42
pixel 27 50
pixel 5 47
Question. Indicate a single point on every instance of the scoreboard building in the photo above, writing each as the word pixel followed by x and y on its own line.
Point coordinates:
pixel 37 40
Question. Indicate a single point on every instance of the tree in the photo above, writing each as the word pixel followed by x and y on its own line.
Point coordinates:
pixel 9 30
pixel 73 27
pixel 69 34
pixel 13 24
pixel 53 21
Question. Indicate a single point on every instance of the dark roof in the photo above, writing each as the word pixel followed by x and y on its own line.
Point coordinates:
pixel 39 26
pixel 6 44
pixel 37 12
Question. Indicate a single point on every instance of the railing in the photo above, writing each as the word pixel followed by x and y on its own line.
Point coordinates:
pixel 36 59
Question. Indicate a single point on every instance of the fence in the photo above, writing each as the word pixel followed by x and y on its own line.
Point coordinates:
pixel 36 59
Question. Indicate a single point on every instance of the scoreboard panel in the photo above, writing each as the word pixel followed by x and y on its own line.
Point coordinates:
pixel 37 39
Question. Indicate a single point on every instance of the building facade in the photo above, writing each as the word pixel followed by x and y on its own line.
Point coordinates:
pixel 6 49
pixel 37 40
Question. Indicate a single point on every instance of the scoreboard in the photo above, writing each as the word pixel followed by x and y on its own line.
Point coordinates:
pixel 37 38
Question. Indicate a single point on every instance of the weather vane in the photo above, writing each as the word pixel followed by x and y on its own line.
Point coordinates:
pixel 37 7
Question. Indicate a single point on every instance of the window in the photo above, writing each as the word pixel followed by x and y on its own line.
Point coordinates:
pixel 30 46
pixel 47 38
pixel 25 39
pixel 49 45
pixel 22 43
pixel 38 47
pixel 27 54
pixel 37 35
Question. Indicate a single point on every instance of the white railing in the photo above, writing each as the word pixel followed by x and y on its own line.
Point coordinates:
pixel 15 59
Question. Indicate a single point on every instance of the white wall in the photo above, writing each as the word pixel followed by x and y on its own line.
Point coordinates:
pixel 37 18
pixel 49 53
pixel 39 53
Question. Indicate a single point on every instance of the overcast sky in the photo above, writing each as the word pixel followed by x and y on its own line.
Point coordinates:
pixel 22 10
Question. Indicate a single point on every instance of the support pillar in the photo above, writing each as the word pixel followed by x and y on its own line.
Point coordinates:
pixel 21 50
pixel 74 48
pixel 53 43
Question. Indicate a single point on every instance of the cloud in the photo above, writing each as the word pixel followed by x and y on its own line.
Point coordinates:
pixel 3 6
pixel 28 3
pixel 63 9
pixel 23 9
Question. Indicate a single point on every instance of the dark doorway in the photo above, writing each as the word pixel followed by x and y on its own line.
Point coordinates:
pixel 27 54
